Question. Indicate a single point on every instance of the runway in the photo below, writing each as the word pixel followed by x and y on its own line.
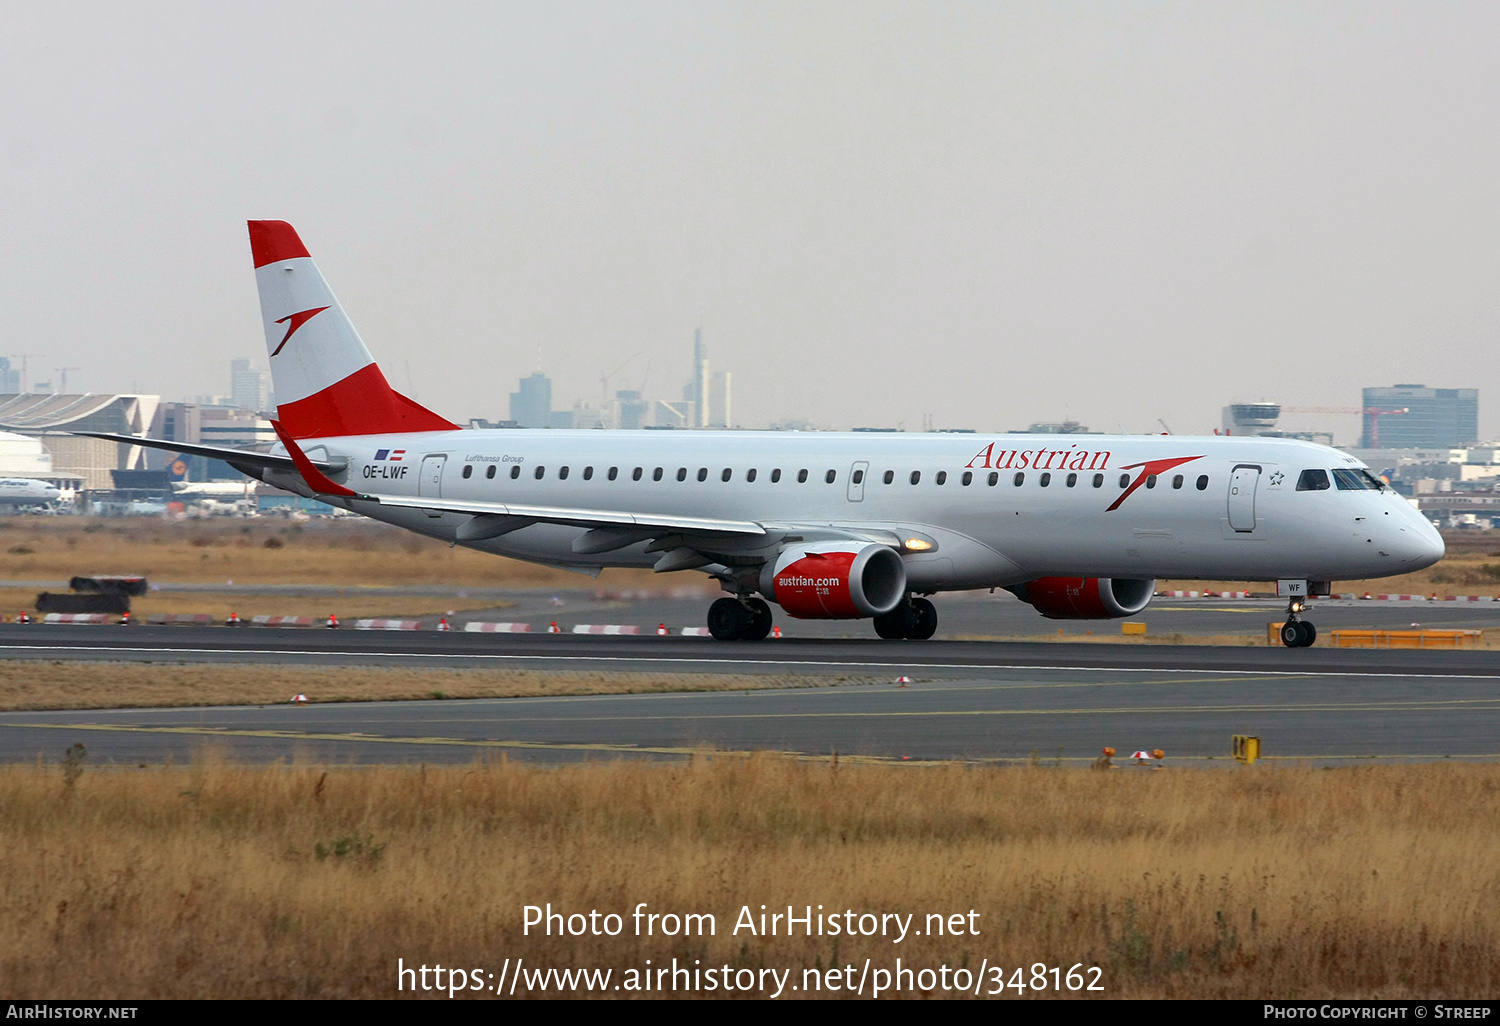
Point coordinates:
pixel 967 700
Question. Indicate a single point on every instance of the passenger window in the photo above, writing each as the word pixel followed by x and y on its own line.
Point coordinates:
pixel 994 479
pixel 942 477
pixel 656 474
pixel 1072 480
pixel 1045 480
pixel 829 477
pixel 468 471
pixel 1313 481
pixel 636 476
pixel 682 474
pixel 1150 480
pixel 490 471
pixel 614 472
pixel 968 477
pixel 802 477
pixel 859 477
pixel 750 474
pixel 562 474
pixel 1098 480
pixel 540 470
pixel 702 473
pixel 1177 481
pixel 1203 483
pixel 588 473
pixel 515 471
pixel 776 475
pixel 890 475
pixel 916 476
pixel 1019 479
pixel 1124 480
pixel 729 473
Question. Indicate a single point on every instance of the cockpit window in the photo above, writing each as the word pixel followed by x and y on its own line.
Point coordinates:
pixel 1371 481
pixel 1351 481
pixel 1313 481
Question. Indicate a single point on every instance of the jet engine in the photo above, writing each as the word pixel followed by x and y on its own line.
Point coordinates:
pixel 835 580
pixel 1086 598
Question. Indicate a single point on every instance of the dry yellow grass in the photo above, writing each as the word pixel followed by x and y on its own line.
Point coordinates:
pixel 270 551
pixel 44 684
pixel 224 881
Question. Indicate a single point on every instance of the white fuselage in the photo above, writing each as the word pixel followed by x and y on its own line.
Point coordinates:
pixel 27 491
pixel 997 509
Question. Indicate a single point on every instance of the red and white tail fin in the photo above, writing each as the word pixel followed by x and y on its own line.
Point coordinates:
pixel 326 382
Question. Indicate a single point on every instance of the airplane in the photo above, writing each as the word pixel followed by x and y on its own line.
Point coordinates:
pixel 823 525
pixel 27 491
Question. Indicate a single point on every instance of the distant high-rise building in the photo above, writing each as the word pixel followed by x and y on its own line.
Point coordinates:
pixel 718 415
pixel 634 410
pixel 248 388
pixel 531 407
pixel 10 380
pixel 1433 418
pixel 696 390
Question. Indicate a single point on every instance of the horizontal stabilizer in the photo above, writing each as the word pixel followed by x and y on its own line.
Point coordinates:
pixel 217 452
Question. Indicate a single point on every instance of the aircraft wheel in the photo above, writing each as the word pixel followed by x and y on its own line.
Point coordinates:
pixel 1291 634
pixel 728 620
pixel 896 624
pixel 759 624
pixel 1309 634
pixel 923 621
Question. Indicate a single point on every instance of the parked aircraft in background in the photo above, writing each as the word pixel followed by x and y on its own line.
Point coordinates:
pixel 824 525
pixel 27 491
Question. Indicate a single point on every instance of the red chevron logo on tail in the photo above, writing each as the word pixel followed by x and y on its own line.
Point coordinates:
pixel 297 319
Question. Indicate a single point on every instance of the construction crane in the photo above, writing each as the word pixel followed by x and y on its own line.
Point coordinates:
pixel 1373 412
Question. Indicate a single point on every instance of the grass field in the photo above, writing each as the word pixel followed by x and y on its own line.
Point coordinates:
pixel 215 880
pixel 43 684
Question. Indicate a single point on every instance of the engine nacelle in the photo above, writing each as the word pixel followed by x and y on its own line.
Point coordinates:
pixel 1086 598
pixel 835 580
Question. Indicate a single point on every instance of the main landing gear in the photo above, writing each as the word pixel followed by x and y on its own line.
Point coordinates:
pixel 732 619
pixel 915 620
pixel 1297 632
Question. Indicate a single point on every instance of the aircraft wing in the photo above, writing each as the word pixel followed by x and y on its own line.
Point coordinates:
pixel 215 452
pixel 646 522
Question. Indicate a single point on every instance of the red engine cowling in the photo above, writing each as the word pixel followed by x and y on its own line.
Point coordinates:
pixel 1086 598
pixel 835 580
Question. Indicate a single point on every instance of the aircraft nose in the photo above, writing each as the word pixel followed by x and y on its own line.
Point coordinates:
pixel 1420 545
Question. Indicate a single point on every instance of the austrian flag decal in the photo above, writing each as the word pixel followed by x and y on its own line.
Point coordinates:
pixel 393 455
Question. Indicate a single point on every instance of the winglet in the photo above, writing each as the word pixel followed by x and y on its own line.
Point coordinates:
pixel 312 475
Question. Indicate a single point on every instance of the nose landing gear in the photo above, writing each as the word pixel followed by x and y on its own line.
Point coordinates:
pixel 1297 632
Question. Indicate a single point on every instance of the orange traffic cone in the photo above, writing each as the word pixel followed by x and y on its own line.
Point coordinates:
pixel 125 619
pixel 25 617
pixel 661 630
pixel 553 629
pixel 443 625
pixel 233 621
pixel 333 622
pixel 775 632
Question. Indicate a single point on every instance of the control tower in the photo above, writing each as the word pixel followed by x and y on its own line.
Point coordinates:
pixel 1251 418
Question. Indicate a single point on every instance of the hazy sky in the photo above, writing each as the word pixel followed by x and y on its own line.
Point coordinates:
pixel 991 213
